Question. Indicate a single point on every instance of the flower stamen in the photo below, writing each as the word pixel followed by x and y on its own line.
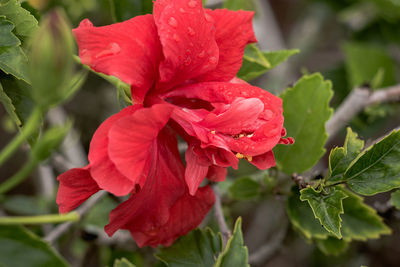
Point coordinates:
pixel 239 155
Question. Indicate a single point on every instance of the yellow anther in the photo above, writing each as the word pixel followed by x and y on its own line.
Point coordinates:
pixel 212 132
pixel 249 158
pixel 241 135
pixel 239 156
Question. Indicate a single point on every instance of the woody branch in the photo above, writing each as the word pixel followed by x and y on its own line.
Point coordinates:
pixel 219 215
pixel 358 100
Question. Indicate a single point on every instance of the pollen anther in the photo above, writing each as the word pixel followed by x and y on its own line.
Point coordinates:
pixel 239 156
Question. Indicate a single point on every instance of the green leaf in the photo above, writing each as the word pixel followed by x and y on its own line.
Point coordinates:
pixel 23 205
pixel 256 62
pixel 377 169
pixel 360 221
pixel 239 4
pixel 326 207
pixel 98 215
pixel 364 62
pixel 19 93
pixel 244 188
pixel 126 9
pixel 14 61
pixel 388 9
pixel 341 157
pixel 235 253
pixel 20 248
pixel 7 38
pixel 50 141
pixel 123 263
pixel 25 23
pixel 302 217
pixel 395 199
pixel 332 246
pixel 9 107
pixel 198 248
pixel 306 110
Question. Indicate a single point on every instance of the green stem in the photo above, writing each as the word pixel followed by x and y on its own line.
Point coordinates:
pixel 48 218
pixel 27 130
pixel 19 177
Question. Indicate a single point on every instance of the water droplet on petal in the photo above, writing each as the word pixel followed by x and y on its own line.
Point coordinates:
pixel 267 115
pixel 192 3
pixel 172 21
pixel 182 10
pixel 112 49
pixel 187 61
pixel 208 17
pixel 191 32
pixel 202 54
pixel 176 38
pixel 212 60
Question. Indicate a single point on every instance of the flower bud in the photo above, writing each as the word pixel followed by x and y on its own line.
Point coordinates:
pixel 51 60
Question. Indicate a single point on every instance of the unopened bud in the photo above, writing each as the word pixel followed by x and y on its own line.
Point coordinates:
pixel 51 60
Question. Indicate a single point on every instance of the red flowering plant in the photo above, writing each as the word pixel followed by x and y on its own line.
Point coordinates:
pixel 181 64
pixel 183 74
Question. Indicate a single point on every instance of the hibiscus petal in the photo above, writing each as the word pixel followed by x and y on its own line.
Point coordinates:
pixel 264 161
pixel 187 38
pixel 264 133
pixel 163 210
pixel 187 213
pixel 195 171
pixel 129 50
pixel 226 92
pixel 103 170
pixel 240 114
pixel 234 30
pixel 131 141
pixel 216 173
pixel 76 186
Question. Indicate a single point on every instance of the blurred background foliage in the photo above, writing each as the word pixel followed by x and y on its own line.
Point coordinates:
pixel 353 43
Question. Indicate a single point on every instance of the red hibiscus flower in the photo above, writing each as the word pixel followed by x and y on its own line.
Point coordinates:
pixel 181 64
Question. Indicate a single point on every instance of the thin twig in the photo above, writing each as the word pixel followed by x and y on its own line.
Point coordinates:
pixel 219 215
pixel 82 210
pixel 46 185
pixel 71 147
pixel 121 239
pixel 61 164
pixel 377 140
pixel 358 100
pixel 46 180
pixel 267 250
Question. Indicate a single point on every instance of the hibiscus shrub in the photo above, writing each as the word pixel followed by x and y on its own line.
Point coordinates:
pixel 187 112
